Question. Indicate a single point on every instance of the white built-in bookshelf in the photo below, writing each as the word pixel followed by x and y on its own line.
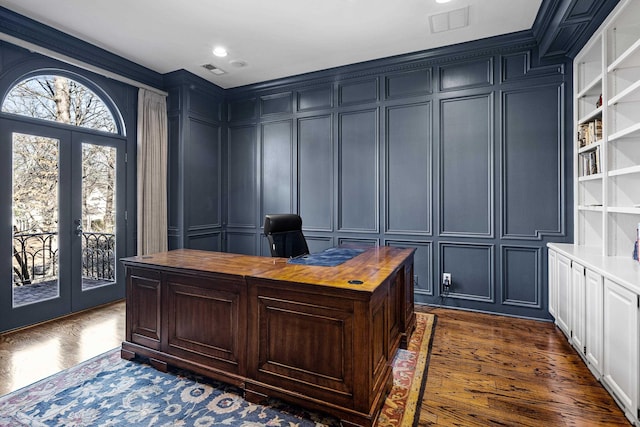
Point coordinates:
pixel 607 142
pixel 594 284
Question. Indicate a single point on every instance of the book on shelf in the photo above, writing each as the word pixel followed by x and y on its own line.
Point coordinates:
pixel 590 162
pixel 589 132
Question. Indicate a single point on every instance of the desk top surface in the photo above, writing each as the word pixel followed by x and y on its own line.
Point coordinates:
pixel 371 267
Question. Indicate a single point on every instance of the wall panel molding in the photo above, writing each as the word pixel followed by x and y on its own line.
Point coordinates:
pixel 242 110
pixel 279 103
pixel 203 187
pixel 466 166
pixel 315 98
pixel 358 171
pixel 517 66
pixel 356 241
pixel 277 168
pixel 409 168
pixel 521 276
pixel 205 240
pixel 472 269
pixel 354 92
pixel 408 83
pixel 532 167
pixel 241 242
pixel 466 75
pixel 241 176
pixel 316 173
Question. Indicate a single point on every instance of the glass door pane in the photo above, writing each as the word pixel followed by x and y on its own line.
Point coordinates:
pixel 98 223
pixel 35 263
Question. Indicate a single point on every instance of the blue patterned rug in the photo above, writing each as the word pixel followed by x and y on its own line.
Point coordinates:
pixel 110 391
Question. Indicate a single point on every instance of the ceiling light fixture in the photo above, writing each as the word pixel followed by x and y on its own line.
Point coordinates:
pixel 443 1
pixel 220 51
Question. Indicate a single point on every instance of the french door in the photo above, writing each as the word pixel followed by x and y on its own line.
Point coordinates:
pixel 63 197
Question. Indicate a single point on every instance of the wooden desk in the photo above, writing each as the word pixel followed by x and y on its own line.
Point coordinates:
pixel 300 333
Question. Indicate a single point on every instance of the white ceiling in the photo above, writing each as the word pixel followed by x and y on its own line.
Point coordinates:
pixel 276 38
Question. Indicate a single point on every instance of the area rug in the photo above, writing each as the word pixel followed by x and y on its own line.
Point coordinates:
pixel 110 391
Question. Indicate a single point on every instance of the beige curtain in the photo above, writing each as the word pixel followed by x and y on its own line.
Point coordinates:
pixel 152 172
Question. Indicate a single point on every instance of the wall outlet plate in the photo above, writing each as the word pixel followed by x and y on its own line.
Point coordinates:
pixel 446 280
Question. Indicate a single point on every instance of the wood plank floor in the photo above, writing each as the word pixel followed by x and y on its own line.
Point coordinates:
pixel 485 370
pixel 37 352
pixel 488 370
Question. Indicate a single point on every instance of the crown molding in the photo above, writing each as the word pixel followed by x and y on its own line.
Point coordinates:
pixel 33 32
pixel 563 27
pixel 508 43
pixel 185 78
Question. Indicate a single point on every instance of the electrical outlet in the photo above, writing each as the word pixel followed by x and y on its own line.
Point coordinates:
pixel 446 281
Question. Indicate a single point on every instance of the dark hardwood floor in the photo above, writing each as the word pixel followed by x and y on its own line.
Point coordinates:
pixel 485 370
pixel 488 370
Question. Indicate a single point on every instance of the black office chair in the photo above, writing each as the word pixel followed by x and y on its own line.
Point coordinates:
pixel 284 232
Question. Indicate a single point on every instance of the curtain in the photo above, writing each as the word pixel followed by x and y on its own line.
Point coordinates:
pixel 152 172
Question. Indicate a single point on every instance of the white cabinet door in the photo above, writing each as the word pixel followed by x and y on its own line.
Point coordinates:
pixel 553 283
pixel 594 321
pixel 577 307
pixel 563 283
pixel 621 344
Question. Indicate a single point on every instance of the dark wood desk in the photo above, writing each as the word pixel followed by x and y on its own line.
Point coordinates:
pixel 296 332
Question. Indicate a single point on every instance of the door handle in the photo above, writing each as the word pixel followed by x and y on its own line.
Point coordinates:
pixel 78 230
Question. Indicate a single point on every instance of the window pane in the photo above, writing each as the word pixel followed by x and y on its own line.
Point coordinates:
pixel 98 215
pixel 59 99
pixel 35 219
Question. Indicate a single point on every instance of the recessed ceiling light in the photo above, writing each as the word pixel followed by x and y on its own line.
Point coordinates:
pixel 443 1
pixel 220 51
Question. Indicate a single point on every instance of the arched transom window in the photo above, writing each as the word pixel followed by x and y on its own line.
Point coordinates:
pixel 60 99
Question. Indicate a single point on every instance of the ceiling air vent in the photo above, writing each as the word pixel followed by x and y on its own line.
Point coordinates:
pixel 214 69
pixel 451 20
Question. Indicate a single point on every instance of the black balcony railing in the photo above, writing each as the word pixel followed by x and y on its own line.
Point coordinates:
pixel 98 256
pixel 35 257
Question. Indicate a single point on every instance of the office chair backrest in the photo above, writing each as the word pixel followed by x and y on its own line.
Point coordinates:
pixel 284 232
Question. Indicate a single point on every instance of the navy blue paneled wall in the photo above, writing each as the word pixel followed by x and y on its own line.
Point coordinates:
pixel 462 158
pixel 196 131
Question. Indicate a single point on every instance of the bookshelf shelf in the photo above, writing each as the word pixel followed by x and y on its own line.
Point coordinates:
pixel 591 115
pixel 590 208
pixel 624 210
pixel 625 171
pixel 593 177
pixel 593 88
pixel 590 147
pixel 632 131
pixel 630 94
pixel 629 58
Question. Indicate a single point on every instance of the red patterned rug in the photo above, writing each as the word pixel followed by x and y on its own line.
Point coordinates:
pixel 402 407
pixel 109 391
